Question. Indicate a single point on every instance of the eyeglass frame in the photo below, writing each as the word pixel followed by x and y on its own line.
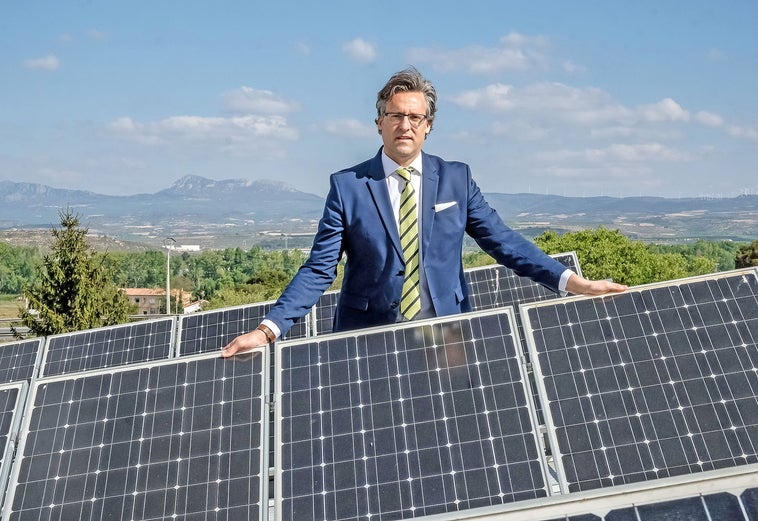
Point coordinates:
pixel 398 117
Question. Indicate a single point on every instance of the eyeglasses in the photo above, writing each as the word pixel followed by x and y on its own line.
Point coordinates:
pixel 397 117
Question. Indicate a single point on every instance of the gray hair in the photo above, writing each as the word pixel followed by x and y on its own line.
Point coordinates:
pixel 408 80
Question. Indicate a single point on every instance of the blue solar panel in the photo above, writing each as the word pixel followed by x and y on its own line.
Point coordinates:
pixel 496 286
pixel 19 361
pixel 209 331
pixel 490 287
pixel 658 381
pixel 175 439
pixel 724 495
pixel 108 347
pixel 12 397
pixel 406 420
pixel 323 313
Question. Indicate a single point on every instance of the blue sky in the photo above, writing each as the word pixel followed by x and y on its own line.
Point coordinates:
pixel 577 98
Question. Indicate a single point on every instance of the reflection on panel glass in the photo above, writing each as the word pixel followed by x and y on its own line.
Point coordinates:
pixel 406 421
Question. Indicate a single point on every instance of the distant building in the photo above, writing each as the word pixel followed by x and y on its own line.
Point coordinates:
pixel 148 300
pixel 152 301
pixel 184 247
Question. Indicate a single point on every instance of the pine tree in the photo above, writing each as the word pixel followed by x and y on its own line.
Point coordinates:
pixel 73 289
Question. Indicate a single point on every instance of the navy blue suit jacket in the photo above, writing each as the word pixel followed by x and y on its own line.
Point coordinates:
pixel 358 222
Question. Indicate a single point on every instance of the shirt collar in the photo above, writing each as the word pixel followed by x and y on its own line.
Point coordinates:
pixel 390 166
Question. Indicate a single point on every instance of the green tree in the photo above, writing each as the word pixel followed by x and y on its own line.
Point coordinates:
pixel 74 288
pixel 747 256
pixel 17 266
pixel 722 252
pixel 607 254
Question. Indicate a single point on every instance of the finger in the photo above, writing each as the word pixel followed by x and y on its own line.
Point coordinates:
pixel 230 349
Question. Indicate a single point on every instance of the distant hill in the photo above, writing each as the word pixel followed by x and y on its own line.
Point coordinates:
pixel 236 212
pixel 191 197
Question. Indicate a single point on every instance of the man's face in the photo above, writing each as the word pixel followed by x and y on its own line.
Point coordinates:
pixel 402 142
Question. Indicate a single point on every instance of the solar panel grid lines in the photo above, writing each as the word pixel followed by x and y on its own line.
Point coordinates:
pixel 490 287
pixel 323 313
pixel 12 397
pixel 723 495
pixel 209 331
pixel 19 361
pixel 110 346
pixel 659 381
pixel 182 438
pixel 496 286
pixel 405 420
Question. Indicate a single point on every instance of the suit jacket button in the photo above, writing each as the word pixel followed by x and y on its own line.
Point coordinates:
pixel 401 272
pixel 394 304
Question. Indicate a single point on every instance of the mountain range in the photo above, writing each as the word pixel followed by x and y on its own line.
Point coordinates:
pixel 202 210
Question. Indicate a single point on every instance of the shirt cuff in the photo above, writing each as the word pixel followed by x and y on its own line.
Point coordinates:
pixel 274 328
pixel 562 283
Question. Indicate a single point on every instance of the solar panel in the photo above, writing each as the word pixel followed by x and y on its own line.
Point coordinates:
pixel 406 420
pixel 724 495
pixel 105 347
pixel 175 439
pixel 19 361
pixel 490 287
pixel 497 286
pixel 12 398
pixel 209 331
pixel 659 381
pixel 323 313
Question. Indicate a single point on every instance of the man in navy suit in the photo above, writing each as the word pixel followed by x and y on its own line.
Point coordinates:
pixel 361 220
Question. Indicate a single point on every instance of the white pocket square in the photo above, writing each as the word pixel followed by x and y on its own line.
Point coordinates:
pixel 444 206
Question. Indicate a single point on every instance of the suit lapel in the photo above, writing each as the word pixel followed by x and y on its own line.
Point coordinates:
pixel 428 199
pixel 377 186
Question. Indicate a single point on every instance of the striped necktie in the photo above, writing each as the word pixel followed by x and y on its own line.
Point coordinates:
pixel 410 301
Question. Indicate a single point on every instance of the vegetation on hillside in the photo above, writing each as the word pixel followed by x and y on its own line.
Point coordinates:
pixel 747 255
pixel 234 276
pixel 607 254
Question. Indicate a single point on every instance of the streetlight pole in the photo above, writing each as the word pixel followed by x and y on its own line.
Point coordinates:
pixel 168 242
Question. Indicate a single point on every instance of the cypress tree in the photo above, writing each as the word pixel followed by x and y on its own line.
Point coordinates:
pixel 74 287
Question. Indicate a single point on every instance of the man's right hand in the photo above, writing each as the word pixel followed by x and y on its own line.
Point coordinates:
pixel 244 343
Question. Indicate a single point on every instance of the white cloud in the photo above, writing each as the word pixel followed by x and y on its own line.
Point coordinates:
pixel 522 130
pixel 227 131
pixel 619 153
pixel 94 34
pixel 709 119
pixel 360 50
pixel 303 48
pixel 247 100
pixel 748 133
pixel 665 110
pixel 572 68
pixel 351 128
pixel 514 52
pixel 47 63
pixel 584 106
